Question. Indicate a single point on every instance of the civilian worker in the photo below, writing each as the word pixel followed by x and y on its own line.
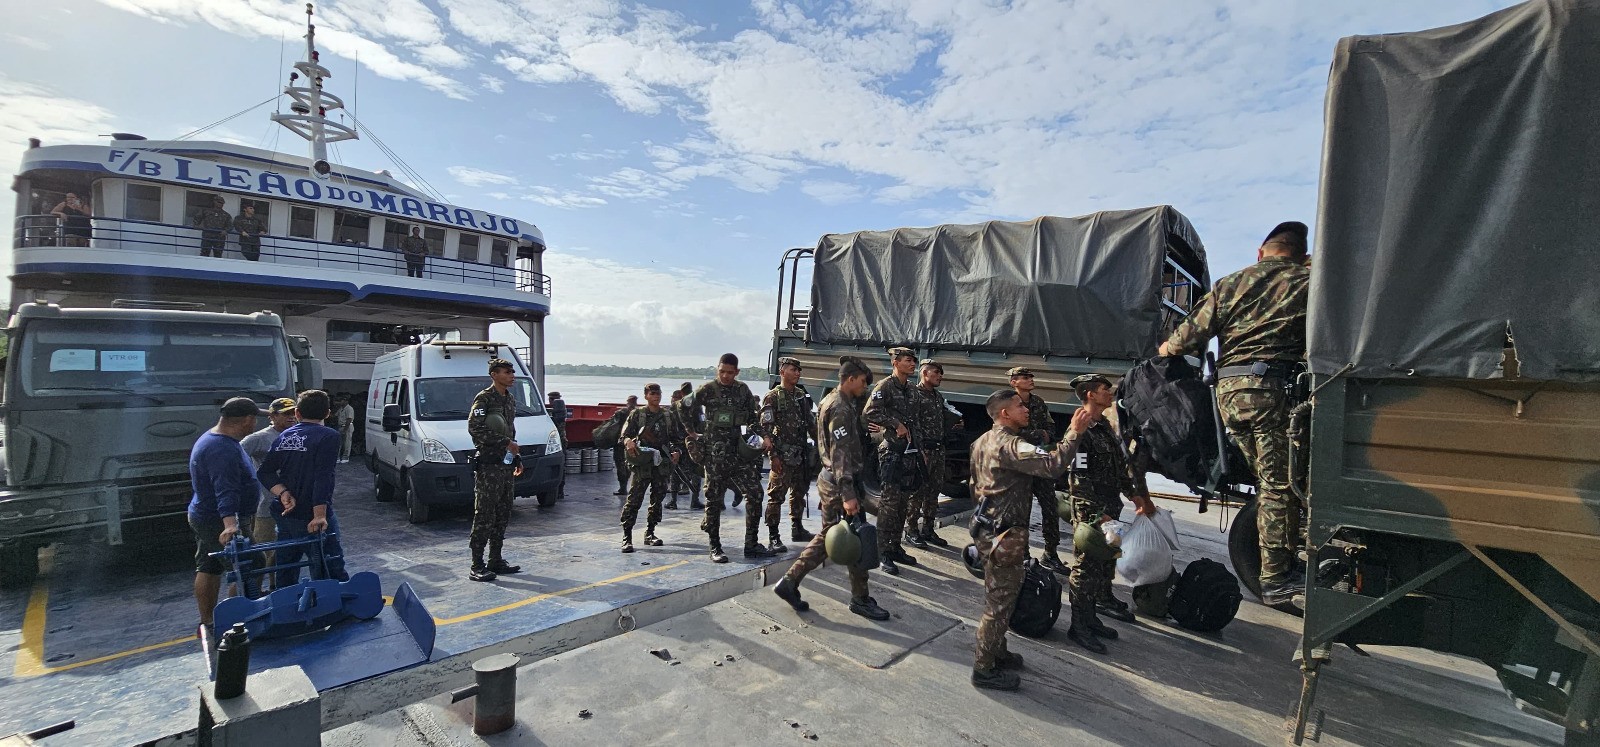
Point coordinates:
pixel 223 503
pixel 345 416
pixel 298 472
pixel 280 415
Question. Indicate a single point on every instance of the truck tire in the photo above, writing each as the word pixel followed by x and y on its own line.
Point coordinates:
pixel 381 490
pixel 416 510
pixel 1244 548
pixel 19 564
pixel 547 499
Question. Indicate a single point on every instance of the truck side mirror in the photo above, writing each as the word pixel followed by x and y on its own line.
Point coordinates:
pixel 393 421
pixel 308 372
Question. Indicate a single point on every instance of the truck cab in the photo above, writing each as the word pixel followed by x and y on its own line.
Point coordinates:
pixel 102 407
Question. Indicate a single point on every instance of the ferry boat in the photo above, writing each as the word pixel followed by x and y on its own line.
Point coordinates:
pixel 330 261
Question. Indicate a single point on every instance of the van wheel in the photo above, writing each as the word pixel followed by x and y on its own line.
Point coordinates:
pixel 1244 548
pixel 547 499
pixel 381 490
pixel 416 510
pixel 19 564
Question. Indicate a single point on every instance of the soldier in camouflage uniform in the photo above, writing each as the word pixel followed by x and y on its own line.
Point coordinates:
pixel 1040 432
pixel 728 407
pixel 493 479
pixel 1005 467
pixel 929 419
pixel 838 491
pixel 619 455
pixel 889 408
pixel 786 419
pixel 1258 316
pixel 1099 474
pixel 214 224
pixel 251 229
pixel 415 249
pixel 654 427
pixel 689 476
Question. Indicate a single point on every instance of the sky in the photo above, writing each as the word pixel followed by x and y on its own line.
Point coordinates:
pixel 671 151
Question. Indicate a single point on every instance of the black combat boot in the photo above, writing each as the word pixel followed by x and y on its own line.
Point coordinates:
pixel 738 498
pixel 886 564
pixel 1052 561
pixel 932 537
pixel 799 534
pixel 1282 593
pixel 650 538
pixel 996 679
pixel 480 572
pixel 868 607
pixel 1100 629
pixel 789 591
pixel 1079 632
pixel 627 539
pixel 752 544
pixel 776 545
pixel 1115 609
pixel 500 566
pixel 902 558
pixel 1008 660
pixel 694 501
pixel 914 539
pixel 672 504
pixel 717 555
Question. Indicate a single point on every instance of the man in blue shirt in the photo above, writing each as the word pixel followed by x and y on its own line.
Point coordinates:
pixel 224 499
pixel 298 472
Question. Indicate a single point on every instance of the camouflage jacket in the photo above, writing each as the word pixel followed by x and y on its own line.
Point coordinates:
pixel 1004 467
pixel 839 441
pixel 414 246
pixel 1041 425
pixel 1103 470
pixel 786 419
pixel 927 405
pixel 249 226
pixel 1257 314
pixel 725 408
pixel 657 430
pixel 492 402
pixel 889 405
pixel 212 219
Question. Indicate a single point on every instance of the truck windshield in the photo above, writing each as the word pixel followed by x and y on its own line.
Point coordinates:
pixel 451 399
pixel 86 357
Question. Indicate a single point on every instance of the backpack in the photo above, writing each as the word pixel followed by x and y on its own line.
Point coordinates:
pixel 1038 602
pixel 605 435
pixel 1206 597
pixel 1165 405
pixel 1155 600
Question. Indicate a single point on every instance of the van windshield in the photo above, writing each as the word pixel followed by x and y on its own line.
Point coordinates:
pixel 451 399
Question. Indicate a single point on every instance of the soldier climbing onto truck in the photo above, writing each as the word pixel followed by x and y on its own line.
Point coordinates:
pixel 1258 316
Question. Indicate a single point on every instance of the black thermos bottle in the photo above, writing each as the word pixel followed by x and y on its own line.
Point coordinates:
pixel 233 662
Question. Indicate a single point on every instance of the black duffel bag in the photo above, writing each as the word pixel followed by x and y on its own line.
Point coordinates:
pixel 1038 602
pixel 1206 597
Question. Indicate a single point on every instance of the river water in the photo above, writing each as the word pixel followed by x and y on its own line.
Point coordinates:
pixel 591 390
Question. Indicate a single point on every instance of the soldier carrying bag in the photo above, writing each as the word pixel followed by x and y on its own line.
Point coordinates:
pixel 606 434
pixel 901 466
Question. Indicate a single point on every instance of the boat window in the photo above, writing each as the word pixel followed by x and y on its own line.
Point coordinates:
pixel 468 251
pixel 435 238
pixel 500 253
pixel 451 398
pixel 351 228
pixel 303 222
pixel 142 202
pixel 394 232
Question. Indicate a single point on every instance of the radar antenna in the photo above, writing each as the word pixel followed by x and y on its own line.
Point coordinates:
pixel 309 106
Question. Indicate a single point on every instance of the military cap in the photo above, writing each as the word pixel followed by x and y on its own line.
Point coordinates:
pixel 789 361
pixel 898 352
pixel 931 363
pixel 686 388
pixel 497 363
pixel 1079 382
pixel 652 387
pixel 1020 371
pixel 280 406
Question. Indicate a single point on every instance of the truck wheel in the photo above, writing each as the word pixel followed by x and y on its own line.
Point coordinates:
pixel 382 491
pixel 19 564
pixel 1244 548
pixel 416 510
pixel 547 499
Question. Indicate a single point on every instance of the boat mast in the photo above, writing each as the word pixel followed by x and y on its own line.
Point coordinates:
pixel 310 104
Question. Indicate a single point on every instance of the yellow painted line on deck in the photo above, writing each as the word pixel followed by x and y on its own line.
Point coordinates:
pixel 30 654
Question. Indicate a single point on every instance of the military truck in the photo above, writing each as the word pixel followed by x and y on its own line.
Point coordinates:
pixel 101 407
pixel 1060 296
pixel 1453 466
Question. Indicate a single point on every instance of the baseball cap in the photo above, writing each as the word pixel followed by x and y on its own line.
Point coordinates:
pixel 239 407
pixel 280 405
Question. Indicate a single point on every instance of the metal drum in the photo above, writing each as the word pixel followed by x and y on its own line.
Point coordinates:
pixel 606 463
pixel 574 462
pixel 591 460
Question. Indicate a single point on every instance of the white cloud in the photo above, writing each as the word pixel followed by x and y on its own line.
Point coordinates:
pixel 564 199
pixel 608 154
pixel 472 177
pixel 492 84
pixel 832 193
pixel 668 315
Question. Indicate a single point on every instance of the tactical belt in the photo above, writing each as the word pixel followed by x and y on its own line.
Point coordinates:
pixel 1264 369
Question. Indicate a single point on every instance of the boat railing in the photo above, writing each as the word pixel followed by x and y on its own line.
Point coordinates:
pixel 130 235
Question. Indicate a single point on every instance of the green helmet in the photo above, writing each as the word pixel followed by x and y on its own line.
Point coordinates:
pixel 1063 504
pixel 497 423
pixel 842 545
pixel 1088 541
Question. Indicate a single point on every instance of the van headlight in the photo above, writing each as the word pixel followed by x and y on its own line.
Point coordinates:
pixel 552 443
pixel 434 451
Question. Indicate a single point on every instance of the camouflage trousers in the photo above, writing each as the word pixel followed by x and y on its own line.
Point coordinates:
pixel 831 500
pixel 1258 421
pixel 1002 582
pixel 1044 494
pixel 491 507
pixel 891 519
pixel 688 477
pixel 1091 579
pixel 619 458
pixel 922 510
pixel 793 482
pixel 737 475
pixel 654 478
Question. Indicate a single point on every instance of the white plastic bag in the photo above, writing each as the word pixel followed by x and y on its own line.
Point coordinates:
pixel 1147 549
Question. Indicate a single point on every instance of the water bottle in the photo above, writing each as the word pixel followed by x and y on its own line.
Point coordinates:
pixel 233 662
pixel 510 457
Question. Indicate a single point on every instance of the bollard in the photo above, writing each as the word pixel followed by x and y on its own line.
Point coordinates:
pixel 496 690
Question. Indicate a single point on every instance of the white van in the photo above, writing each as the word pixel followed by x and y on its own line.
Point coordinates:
pixel 425 455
